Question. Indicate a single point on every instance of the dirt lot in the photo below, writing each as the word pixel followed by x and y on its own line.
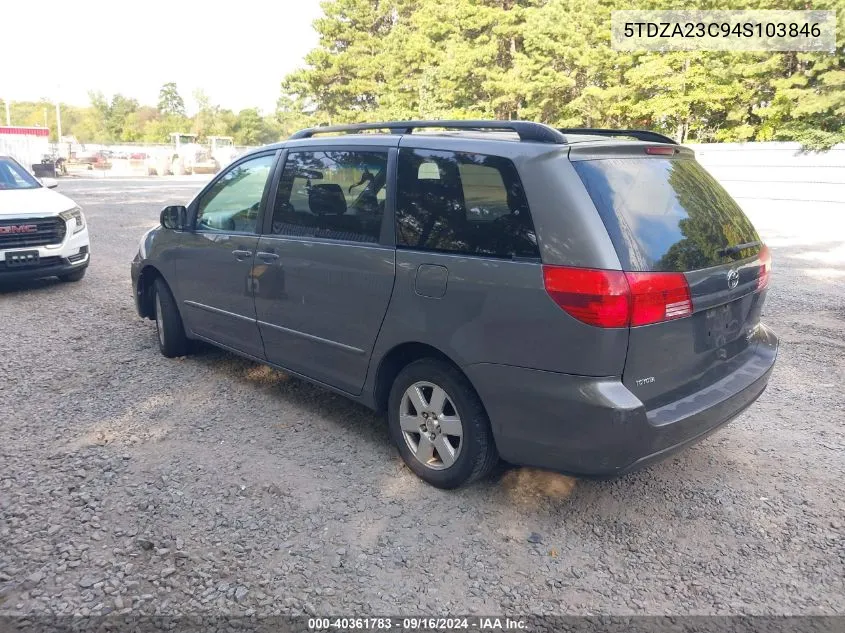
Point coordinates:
pixel 133 483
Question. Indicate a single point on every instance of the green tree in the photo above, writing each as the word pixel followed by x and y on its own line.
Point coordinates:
pixel 95 129
pixel 205 116
pixel 170 102
pixel 121 122
pixel 551 61
pixel 292 114
pixel 808 104
pixel 345 72
pixel 248 127
pixel 159 130
pixel 40 113
pixel 211 120
pixel 252 129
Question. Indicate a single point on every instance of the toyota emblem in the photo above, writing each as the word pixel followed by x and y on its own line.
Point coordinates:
pixel 733 278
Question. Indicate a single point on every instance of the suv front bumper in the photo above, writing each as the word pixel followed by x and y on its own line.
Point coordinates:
pixel 595 426
pixel 60 259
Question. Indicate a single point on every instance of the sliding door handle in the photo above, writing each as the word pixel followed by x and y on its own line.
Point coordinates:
pixel 266 257
pixel 241 255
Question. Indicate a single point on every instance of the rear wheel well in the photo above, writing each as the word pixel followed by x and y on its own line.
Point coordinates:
pixel 395 360
pixel 146 283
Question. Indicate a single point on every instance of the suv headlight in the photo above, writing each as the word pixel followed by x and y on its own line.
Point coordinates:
pixel 74 214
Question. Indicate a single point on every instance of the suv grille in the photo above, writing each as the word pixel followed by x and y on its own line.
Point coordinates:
pixel 20 233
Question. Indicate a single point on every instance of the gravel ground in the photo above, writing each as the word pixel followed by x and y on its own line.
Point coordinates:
pixel 131 483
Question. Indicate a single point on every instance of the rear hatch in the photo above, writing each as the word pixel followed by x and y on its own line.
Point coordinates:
pixel 672 226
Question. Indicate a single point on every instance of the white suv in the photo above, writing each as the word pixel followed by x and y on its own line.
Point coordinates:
pixel 42 233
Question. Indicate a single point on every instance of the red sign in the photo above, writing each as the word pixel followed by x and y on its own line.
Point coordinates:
pixel 25 131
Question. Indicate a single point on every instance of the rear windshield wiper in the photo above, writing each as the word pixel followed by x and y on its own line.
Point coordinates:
pixel 737 248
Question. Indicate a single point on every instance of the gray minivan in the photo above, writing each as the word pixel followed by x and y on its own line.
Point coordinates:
pixel 586 301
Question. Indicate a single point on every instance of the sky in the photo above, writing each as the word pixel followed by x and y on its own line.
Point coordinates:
pixel 236 52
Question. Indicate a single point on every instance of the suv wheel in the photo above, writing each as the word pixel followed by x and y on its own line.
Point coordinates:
pixel 439 425
pixel 172 341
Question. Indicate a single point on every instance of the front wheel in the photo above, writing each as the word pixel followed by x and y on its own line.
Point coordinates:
pixel 439 425
pixel 172 341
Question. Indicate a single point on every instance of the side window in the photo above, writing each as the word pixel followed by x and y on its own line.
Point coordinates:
pixel 485 193
pixel 234 202
pixel 336 195
pixel 471 204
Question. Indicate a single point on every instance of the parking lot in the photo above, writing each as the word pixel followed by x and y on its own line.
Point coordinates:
pixel 211 484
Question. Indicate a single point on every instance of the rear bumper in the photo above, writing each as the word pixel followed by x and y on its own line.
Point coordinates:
pixel 596 426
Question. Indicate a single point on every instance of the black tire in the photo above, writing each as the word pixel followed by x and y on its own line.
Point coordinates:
pixel 477 453
pixel 76 275
pixel 170 332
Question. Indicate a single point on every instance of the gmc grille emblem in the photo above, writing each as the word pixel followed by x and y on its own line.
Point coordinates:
pixel 14 229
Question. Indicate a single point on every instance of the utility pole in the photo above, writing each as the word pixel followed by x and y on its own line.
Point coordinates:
pixel 59 147
pixel 58 124
pixel 8 113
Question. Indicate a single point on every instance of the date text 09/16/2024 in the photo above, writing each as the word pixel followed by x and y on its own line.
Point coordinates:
pixel 415 624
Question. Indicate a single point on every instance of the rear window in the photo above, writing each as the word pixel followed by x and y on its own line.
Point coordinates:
pixel 666 214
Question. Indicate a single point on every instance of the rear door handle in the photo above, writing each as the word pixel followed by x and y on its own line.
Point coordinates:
pixel 266 257
pixel 241 255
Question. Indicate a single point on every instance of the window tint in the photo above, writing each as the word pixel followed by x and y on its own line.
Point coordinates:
pixel 462 203
pixel 234 202
pixel 666 214
pixel 13 176
pixel 336 195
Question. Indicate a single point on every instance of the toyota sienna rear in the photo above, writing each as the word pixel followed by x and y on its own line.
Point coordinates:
pixel 568 299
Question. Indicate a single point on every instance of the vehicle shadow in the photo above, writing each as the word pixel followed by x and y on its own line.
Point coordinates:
pixel 12 287
pixel 526 488
pixel 522 490
pixel 296 392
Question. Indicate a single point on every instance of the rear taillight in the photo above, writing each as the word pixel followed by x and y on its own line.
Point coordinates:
pixel 612 298
pixel 658 297
pixel 765 267
pixel 596 297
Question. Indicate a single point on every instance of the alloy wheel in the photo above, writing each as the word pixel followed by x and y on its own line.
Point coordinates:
pixel 431 425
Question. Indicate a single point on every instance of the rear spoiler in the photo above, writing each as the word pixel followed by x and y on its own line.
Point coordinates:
pixel 640 135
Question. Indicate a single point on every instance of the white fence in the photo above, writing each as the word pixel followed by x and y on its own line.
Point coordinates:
pixel 778 173
pixel 130 159
pixel 758 175
pixel 23 148
pixel 793 197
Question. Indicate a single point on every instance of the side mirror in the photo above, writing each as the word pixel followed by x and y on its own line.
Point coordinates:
pixel 50 183
pixel 174 218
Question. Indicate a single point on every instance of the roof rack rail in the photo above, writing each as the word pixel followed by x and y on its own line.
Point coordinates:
pixel 642 135
pixel 527 130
